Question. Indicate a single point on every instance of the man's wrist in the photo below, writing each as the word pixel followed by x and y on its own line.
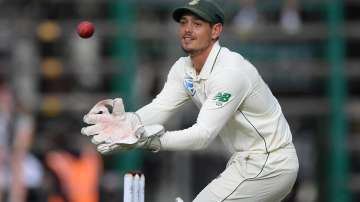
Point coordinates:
pixel 150 137
pixel 152 144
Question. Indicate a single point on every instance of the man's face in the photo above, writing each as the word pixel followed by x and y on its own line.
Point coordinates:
pixel 195 34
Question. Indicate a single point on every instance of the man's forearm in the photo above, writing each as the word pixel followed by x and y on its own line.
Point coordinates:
pixel 154 113
pixel 193 138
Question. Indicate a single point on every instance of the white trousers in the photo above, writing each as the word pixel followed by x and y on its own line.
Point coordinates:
pixel 251 177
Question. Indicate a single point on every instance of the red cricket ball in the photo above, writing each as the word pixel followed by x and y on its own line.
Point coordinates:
pixel 85 29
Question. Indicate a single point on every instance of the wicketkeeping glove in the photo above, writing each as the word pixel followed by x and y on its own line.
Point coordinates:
pixel 119 130
pixel 149 140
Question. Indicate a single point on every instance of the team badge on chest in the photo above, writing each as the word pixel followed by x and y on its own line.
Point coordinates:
pixel 189 85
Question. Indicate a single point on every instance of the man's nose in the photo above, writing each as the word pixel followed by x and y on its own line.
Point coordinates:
pixel 188 28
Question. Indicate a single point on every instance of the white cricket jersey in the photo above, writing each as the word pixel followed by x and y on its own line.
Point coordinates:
pixel 234 103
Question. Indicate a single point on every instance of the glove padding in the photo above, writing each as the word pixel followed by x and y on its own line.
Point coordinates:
pixel 149 139
pixel 114 129
pixel 118 126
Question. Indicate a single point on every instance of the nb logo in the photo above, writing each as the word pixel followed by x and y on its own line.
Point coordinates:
pixel 222 97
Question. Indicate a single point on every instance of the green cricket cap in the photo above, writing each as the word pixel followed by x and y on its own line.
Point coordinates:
pixel 208 10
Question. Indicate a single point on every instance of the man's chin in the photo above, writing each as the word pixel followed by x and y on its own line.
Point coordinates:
pixel 187 50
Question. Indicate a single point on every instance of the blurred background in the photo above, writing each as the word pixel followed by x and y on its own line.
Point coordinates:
pixel 308 51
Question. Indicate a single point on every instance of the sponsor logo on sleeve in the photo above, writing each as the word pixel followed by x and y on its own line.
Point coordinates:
pixel 221 98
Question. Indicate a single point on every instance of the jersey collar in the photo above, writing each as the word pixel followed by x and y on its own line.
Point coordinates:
pixel 208 66
pixel 210 62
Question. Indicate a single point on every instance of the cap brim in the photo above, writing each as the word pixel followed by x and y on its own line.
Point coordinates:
pixel 179 12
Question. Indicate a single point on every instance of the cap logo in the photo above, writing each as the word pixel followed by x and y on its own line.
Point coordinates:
pixel 194 2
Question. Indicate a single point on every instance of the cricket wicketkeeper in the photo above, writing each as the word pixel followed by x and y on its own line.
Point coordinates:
pixel 235 103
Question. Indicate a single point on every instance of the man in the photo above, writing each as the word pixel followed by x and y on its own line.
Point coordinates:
pixel 17 165
pixel 234 103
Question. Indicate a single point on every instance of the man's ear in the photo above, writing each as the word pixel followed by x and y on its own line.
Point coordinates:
pixel 216 30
